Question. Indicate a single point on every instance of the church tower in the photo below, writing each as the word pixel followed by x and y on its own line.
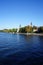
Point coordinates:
pixel 31 24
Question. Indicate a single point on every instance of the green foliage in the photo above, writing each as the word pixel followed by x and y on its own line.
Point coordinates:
pixel 40 29
pixel 35 27
pixel 22 30
pixel 29 29
pixel 9 30
pixel 26 29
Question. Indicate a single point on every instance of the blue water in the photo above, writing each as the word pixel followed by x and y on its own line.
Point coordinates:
pixel 17 49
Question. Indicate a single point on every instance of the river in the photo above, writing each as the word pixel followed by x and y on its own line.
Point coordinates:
pixel 17 49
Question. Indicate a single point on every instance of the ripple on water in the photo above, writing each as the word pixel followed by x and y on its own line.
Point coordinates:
pixel 21 49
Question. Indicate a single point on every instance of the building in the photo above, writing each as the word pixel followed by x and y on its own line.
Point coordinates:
pixel 35 30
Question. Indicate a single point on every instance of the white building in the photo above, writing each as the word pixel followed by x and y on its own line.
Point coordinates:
pixel 17 30
pixel 35 30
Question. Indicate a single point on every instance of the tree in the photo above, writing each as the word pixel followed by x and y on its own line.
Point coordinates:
pixel 28 29
pixel 40 29
pixel 34 27
pixel 22 30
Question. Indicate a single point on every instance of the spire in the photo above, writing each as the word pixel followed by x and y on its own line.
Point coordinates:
pixel 20 26
pixel 31 23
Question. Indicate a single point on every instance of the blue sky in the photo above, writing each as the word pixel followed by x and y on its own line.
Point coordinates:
pixel 16 12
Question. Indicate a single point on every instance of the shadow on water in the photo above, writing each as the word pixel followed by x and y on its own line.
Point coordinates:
pixel 17 49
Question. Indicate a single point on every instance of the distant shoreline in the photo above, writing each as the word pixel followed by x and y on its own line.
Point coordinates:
pixel 40 34
pixel 37 34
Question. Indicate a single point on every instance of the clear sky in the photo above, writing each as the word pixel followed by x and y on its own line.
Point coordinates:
pixel 16 12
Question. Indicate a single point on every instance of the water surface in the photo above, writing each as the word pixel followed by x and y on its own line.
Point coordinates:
pixel 17 49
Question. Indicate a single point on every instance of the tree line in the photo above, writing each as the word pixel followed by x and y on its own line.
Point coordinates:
pixel 25 29
pixel 9 30
pixel 30 29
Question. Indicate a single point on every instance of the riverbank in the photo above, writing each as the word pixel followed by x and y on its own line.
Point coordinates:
pixel 40 34
pixel 37 34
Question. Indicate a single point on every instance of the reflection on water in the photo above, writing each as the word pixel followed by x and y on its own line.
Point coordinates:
pixel 17 49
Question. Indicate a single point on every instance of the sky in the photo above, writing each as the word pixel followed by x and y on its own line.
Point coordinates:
pixel 16 12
